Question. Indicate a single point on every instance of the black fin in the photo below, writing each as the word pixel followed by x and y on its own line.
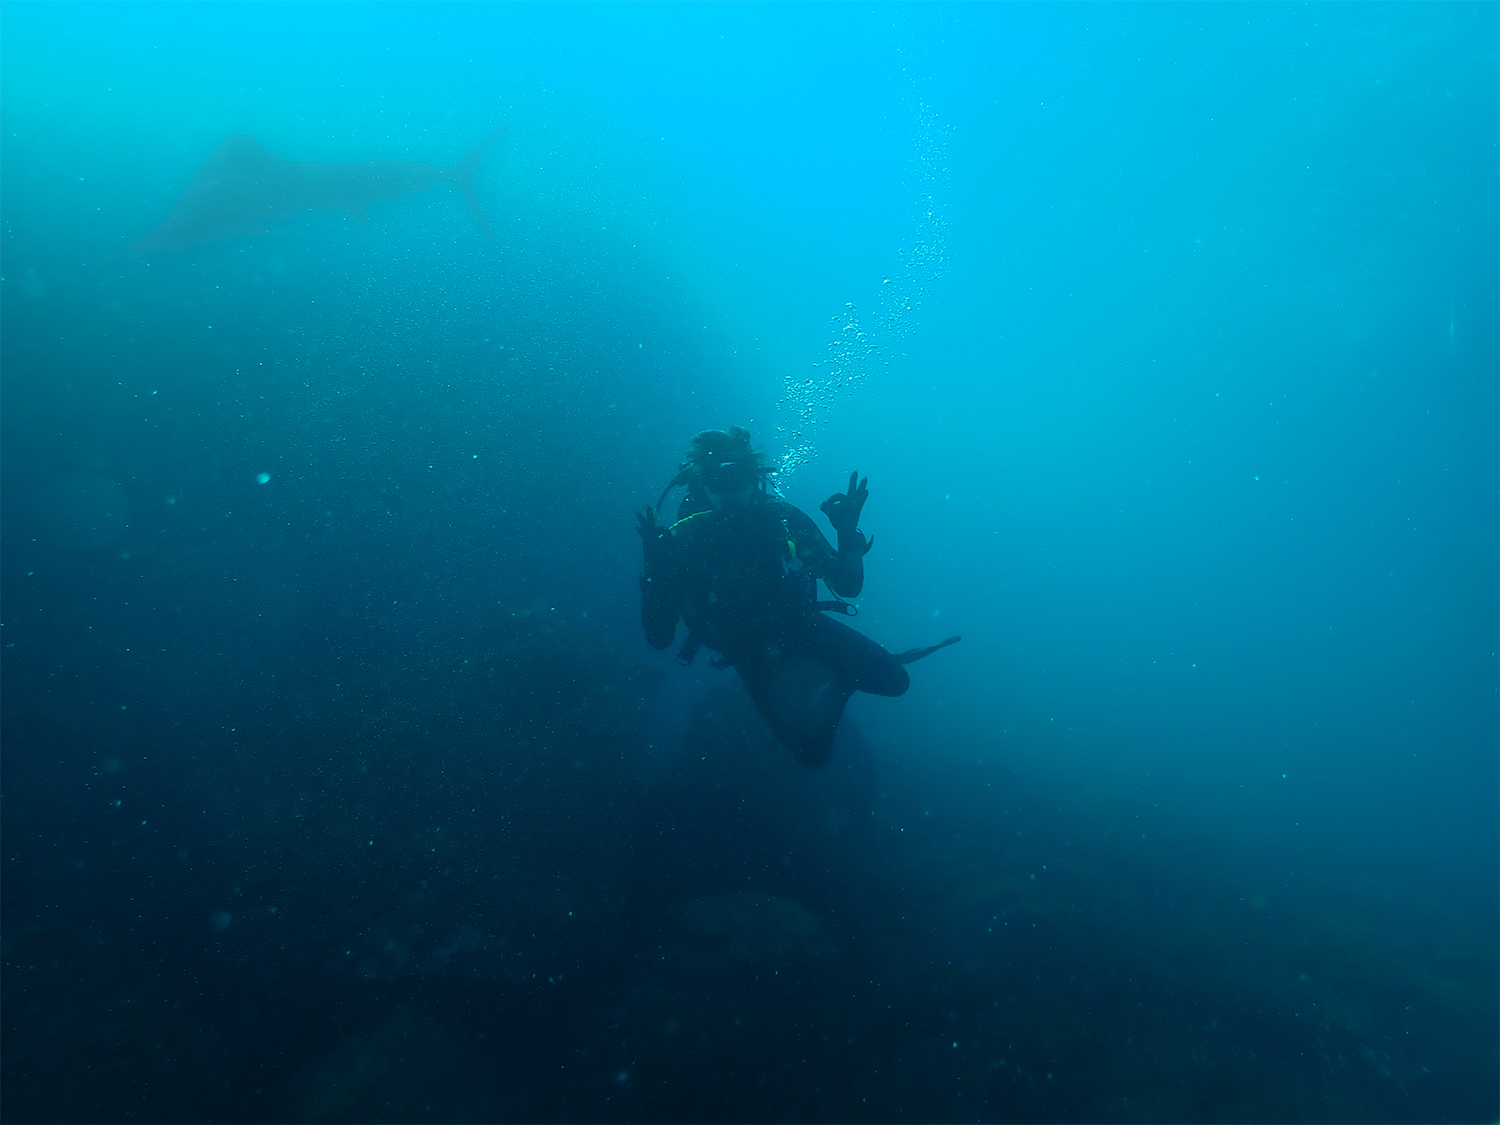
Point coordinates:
pixel 913 654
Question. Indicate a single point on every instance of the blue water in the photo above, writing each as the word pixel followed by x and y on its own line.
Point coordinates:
pixel 339 782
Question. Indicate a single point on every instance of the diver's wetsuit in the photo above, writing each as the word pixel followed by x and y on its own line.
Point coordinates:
pixel 744 580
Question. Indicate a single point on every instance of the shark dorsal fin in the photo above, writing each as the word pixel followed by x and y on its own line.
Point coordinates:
pixel 239 154
pixel 241 148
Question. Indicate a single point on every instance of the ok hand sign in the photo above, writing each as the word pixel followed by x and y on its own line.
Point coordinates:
pixel 842 509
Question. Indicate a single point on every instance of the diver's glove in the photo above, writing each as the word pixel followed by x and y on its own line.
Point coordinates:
pixel 654 537
pixel 842 510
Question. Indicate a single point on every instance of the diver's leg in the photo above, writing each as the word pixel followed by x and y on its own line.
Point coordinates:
pixel 862 663
pixel 804 723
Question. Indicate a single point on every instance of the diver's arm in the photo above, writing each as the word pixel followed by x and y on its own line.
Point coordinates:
pixel 659 610
pixel 843 570
pixel 851 564
pixel 661 588
pixel 847 576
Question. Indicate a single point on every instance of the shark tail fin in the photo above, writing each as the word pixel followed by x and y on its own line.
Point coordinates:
pixel 463 177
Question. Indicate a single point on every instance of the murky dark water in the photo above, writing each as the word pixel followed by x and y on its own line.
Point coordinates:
pixel 339 781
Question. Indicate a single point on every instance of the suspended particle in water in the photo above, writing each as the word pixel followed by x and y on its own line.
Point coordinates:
pixel 262 478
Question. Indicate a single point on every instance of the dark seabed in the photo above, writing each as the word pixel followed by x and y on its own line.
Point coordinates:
pixel 339 782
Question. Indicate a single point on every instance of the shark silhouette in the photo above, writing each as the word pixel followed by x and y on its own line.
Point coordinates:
pixel 241 187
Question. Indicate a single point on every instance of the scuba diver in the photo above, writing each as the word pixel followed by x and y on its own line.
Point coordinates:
pixel 740 567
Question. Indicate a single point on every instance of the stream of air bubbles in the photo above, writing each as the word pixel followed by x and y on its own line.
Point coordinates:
pixel 855 351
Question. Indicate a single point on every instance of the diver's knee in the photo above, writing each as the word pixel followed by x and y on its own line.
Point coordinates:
pixel 812 752
pixel 895 682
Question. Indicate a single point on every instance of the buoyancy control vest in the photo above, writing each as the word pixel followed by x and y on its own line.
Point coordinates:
pixel 743 578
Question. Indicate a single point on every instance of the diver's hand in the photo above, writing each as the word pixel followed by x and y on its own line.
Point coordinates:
pixel 843 508
pixel 645 523
pixel 653 536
